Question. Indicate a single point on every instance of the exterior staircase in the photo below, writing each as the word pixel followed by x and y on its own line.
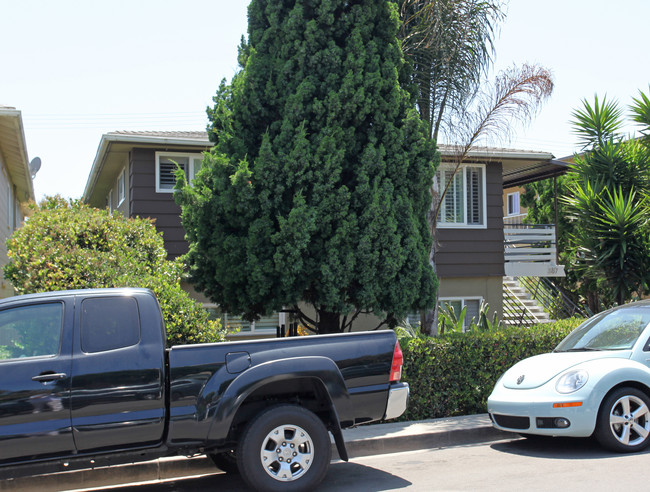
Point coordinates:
pixel 519 308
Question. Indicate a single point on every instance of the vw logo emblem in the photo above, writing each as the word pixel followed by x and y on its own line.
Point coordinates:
pixel 520 379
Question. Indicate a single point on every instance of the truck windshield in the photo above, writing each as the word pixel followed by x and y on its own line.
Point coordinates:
pixel 612 330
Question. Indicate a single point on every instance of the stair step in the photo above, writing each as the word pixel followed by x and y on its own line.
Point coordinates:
pixel 533 312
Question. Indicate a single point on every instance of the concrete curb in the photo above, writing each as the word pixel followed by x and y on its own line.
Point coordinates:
pixel 410 436
pixel 362 441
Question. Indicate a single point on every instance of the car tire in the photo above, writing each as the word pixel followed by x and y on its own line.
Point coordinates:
pixel 226 461
pixel 623 423
pixel 284 448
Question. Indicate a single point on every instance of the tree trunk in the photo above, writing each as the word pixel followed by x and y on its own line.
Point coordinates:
pixel 429 318
pixel 328 322
pixel 593 301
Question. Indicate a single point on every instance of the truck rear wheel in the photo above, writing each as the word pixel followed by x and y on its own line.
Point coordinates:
pixel 284 448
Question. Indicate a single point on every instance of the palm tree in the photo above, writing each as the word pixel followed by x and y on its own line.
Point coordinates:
pixel 450 45
pixel 607 201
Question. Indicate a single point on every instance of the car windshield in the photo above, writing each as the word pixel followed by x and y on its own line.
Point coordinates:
pixel 611 330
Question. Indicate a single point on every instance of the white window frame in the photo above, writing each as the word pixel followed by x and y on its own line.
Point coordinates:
pixel 189 173
pixel 516 199
pixel 463 301
pixel 463 225
pixel 121 187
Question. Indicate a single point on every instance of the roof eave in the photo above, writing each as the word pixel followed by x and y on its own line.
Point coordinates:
pixel 550 169
pixel 498 154
pixel 21 167
pixel 110 138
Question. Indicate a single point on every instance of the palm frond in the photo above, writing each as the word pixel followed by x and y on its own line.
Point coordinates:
pixel 598 123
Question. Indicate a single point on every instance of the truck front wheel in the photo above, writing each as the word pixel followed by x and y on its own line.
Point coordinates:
pixel 284 448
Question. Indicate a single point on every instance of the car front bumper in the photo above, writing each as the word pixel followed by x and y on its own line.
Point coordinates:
pixel 532 411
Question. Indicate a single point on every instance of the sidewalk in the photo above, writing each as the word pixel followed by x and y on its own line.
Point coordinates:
pixel 363 441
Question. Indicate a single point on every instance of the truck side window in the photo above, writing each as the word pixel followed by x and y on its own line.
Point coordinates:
pixel 109 323
pixel 30 331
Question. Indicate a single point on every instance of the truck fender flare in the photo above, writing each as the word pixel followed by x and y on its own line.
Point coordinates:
pixel 314 367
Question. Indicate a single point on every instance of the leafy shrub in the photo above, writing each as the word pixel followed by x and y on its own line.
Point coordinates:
pixel 66 244
pixel 455 373
pixel 450 322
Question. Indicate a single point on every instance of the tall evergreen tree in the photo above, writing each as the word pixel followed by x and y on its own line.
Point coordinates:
pixel 316 191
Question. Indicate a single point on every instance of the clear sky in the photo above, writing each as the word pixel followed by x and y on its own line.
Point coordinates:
pixel 78 69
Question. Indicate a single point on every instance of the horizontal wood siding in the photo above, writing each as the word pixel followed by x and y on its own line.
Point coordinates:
pixel 145 202
pixel 476 252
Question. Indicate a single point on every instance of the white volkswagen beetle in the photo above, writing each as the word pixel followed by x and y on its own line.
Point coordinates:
pixel 595 382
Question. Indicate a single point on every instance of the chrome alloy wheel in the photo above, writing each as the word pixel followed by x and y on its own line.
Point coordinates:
pixel 287 452
pixel 629 420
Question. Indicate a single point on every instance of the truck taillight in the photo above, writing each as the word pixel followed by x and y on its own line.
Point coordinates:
pixel 398 361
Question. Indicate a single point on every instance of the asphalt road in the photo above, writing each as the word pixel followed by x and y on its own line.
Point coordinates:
pixel 508 465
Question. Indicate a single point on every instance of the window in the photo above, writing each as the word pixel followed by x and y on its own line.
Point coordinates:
pixel 121 187
pixel 30 331
pixel 464 203
pixel 166 163
pixel 235 324
pixel 109 323
pixel 109 199
pixel 413 319
pixel 472 306
pixel 12 214
pixel 513 203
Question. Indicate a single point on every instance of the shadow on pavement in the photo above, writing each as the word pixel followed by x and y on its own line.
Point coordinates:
pixel 556 448
pixel 341 477
pixel 353 477
pixel 219 481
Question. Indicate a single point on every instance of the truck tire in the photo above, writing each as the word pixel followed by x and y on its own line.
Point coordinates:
pixel 226 461
pixel 284 448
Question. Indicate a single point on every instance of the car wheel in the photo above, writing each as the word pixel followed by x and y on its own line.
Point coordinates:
pixel 624 421
pixel 226 461
pixel 284 448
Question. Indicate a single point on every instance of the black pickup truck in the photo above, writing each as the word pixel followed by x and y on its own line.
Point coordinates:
pixel 86 380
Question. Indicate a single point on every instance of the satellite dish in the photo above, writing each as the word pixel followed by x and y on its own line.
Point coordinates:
pixel 34 166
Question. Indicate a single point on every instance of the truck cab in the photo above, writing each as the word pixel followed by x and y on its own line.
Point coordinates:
pixel 80 374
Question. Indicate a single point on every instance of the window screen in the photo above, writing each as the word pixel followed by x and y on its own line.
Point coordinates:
pixel 109 323
pixel 464 200
pixel 30 331
pixel 472 309
pixel 474 195
pixel 513 203
pixel 167 170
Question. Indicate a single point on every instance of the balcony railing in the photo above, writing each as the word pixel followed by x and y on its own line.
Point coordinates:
pixel 530 251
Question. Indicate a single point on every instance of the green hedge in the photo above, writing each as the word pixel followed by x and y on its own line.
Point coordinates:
pixel 454 374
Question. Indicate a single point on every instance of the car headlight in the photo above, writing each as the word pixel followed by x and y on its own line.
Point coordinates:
pixel 571 381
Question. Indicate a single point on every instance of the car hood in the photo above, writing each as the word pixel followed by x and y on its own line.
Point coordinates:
pixel 536 371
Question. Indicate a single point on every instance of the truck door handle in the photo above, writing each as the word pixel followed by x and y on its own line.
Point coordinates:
pixel 46 377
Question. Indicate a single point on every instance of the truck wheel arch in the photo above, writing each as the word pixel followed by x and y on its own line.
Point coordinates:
pixel 320 372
